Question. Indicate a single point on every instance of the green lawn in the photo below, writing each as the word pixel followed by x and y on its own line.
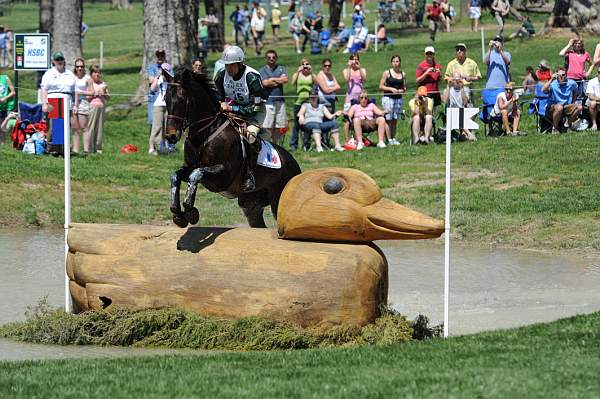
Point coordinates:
pixel 555 360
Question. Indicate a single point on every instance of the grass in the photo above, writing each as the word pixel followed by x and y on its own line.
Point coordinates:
pixel 554 360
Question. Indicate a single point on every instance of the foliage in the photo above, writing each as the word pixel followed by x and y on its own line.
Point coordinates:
pixel 176 328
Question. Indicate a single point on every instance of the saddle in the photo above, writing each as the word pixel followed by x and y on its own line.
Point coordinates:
pixel 247 130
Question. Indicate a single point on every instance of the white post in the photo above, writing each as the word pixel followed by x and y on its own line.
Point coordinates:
pixel 482 44
pixel 344 9
pixel 376 39
pixel 67 154
pixel 447 221
pixel 101 54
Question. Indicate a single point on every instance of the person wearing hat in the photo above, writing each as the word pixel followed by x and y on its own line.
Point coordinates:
pixel 159 108
pixel 421 108
pixel 275 20
pixel 341 38
pixel 467 67
pixel 543 73
pixel 561 102
pixel 498 61
pixel 358 18
pixel 241 92
pixel 428 74
pixel 434 15
pixel 57 79
pixel 507 107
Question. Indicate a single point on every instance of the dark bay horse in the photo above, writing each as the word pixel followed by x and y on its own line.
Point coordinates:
pixel 214 154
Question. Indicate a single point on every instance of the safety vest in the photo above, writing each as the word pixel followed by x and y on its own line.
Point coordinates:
pixel 238 90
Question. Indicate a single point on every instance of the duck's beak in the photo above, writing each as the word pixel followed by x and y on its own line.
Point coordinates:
pixel 387 220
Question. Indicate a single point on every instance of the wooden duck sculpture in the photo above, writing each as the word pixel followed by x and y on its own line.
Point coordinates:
pixel 325 270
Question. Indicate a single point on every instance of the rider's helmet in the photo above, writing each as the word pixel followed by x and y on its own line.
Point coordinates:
pixel 232 54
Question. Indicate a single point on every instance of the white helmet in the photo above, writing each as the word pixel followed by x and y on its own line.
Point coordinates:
pixel 232 54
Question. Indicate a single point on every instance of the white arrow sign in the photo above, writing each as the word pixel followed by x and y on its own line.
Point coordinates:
pixel 460 118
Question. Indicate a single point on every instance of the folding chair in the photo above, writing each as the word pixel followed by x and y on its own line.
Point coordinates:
pixel 538 108
pixel 492 124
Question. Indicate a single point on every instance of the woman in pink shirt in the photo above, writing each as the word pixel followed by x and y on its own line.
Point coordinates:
pixel 576 58
pixel 367 117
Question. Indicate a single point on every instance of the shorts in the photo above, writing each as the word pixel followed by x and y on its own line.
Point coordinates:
pixel 275 26
pixel 393 105
pixel 84 107
pixel 368 125
pixel 436 97
pixel 475 12
pixel 274 116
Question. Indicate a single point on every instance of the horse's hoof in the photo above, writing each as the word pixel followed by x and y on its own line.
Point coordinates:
pixel 192 215
pixel 180 220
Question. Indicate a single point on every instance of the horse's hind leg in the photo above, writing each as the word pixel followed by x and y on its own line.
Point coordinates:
pixel 252 205
pixel 176 178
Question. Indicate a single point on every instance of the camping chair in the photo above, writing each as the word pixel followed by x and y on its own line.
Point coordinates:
pixel 538 108
pixel 30 112
pixel 492 124
pixel 365 133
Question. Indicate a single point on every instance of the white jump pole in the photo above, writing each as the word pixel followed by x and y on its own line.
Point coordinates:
pixel 482 44
pixel 101 55
pixel 447 221
pixel 376 39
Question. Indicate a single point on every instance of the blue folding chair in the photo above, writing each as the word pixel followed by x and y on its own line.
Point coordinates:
pixel 30 112
pixel 492 124
pixel 538 108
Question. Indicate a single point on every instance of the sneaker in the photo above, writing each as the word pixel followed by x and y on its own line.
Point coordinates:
pixel 394 142
pixel 554 131
pixel 99 151
pixel 152 152
pixel 381 144
pixel 422 139
pixel 320 149
pixel 299 51
pixel 431 139
pixel 360 146
pixel 338 148
pixel 594 128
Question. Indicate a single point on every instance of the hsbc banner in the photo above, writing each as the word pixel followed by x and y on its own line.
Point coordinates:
pixel 32 51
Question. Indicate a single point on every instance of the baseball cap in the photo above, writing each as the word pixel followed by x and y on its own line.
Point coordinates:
pixel 341 24
pixel 357 7
pixel 459 45
pixel 499 39
pixel 422 91
pixel 58 56
pixel 160 51
pixel 545 64
pixel 429 49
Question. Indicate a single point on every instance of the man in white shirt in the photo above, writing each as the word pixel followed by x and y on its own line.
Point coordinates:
pixel 593 93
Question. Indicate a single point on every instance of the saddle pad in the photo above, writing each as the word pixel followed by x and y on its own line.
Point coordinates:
pixel 268 156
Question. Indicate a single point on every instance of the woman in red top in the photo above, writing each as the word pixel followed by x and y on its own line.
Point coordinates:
pixel 428 74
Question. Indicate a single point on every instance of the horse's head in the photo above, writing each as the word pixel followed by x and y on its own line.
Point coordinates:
pixel 178 100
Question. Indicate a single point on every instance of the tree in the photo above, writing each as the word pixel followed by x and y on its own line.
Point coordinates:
pixel 581 15
pixel 46 7
pixel 217 33
pixel 66 35
pixel 335 10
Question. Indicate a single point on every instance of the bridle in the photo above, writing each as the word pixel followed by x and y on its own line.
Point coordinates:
pixel 185 123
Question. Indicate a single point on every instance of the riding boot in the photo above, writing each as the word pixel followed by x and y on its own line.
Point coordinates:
pixel 249 183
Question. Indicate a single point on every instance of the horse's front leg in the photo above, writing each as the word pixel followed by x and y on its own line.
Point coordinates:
pixel 191 213
pixel 176 178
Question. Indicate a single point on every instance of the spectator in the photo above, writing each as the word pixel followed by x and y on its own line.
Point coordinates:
pixel 530 80
pixel 420 13
pixel 525 31
pixel 596 60
pixel 341 38
pixel 500 9
pixel 576 57
pixel 198 66
pixel 310 117
pixel 428 74
pixel 467 68
pixel 274 76
pixel 275 21
pixel 434 15
pixel 7 96
pixel 57 79
pixel 9 45
pixel 358 18
pixel 84 30
pixel 382 36
pixel 393 85
pixel 474 14
pixel 3 47
pixel 296 27
pixel 291 12
pixel 498 61
pixel 99 91
pixel 356 77
pixel 158 86
pixel 563 93
pixel 203 36
pixel 245 21
pixel 81 108
pixel 454 96
pixel 328 85
pixel 212 21
pixel 365 116
pixel 237 19
pixel 359 40
pixel 421 108
pixel 304 80
pixel 507 107
pixel 593 93
pixel 257 24
pixel 543 72
pixel 447 11
pixel 153 71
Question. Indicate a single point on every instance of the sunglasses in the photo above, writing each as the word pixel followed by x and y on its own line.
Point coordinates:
pixel 509 89
pixel 460 49
pixel 429 53
pixel 271 57
pixel 364 98
pixel 79 66
pixel 305 64
pixel 326 65
pixel 561 75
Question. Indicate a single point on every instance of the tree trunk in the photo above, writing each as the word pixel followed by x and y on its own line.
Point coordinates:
pixel 585 15
pixel 335 11
pixel 46 7
pixel 217 33
pixel 172 26
pixel 120 5
pixel 560 14
pixel 66 36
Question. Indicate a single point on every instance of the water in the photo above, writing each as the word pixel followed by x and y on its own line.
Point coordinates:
pixel 489 288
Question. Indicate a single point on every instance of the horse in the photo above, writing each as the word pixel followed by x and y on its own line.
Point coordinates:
pixel 215 155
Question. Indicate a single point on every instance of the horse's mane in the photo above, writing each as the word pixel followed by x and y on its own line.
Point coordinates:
pixel 197 83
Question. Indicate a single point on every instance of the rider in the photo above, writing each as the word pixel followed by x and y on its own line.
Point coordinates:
pixel 242 93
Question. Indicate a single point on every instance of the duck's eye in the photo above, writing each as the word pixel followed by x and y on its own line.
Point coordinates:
pixel 333 185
